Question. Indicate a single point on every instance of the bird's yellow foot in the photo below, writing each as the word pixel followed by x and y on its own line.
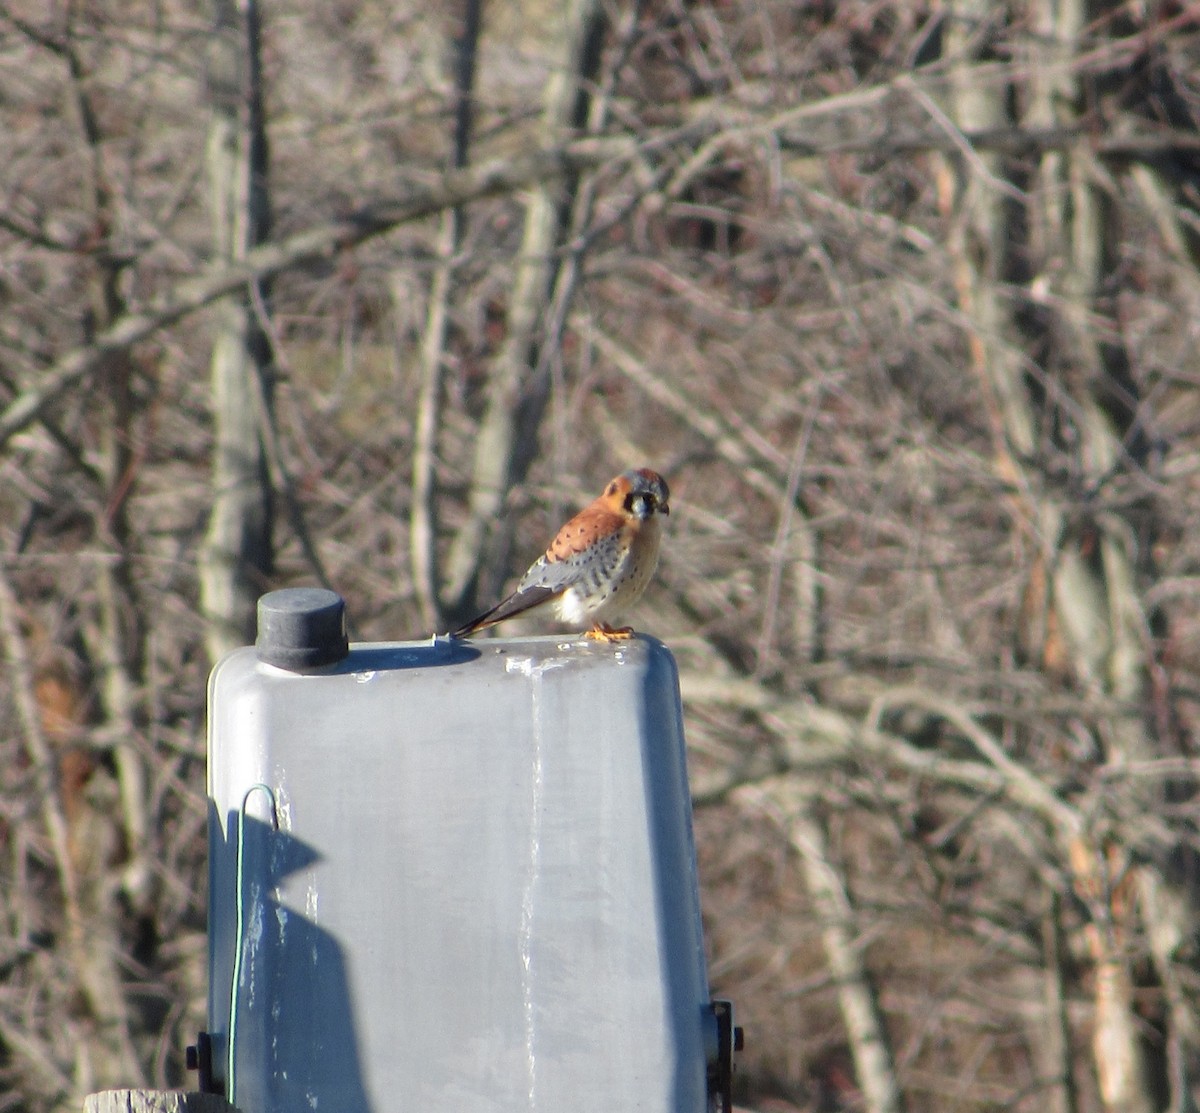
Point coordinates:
pixel 602 632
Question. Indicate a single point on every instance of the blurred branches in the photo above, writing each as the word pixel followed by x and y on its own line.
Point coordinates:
pixel 903 301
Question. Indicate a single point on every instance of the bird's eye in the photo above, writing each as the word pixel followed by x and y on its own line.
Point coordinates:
pixel 612 490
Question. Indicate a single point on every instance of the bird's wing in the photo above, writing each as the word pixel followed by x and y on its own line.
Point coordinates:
pixel 563 565
pixel 592 527
pixel 545 580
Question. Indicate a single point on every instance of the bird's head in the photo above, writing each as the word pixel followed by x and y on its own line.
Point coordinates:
pixel 641 493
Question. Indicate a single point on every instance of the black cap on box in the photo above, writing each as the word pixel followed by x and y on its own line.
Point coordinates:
pixel 301 628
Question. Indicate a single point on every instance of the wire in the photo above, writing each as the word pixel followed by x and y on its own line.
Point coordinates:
pixel 240 937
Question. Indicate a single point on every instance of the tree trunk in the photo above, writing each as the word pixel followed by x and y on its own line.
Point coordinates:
pixel 874 1066
pixel 156 1101
pixel 237 556
pixel 790 804
pixel 117 644
pixel 1077 613
pixel 423 514
pixel 518 388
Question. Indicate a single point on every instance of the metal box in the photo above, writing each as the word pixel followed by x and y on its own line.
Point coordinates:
pixel 456 876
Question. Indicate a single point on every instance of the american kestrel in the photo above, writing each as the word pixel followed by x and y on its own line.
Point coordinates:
pixel 599 563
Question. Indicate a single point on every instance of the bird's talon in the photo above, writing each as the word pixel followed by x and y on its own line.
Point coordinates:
pixel 609 634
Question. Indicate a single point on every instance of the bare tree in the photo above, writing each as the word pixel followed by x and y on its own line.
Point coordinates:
pixel 901 298
pixel 518 386
pixel 236 561
pixel 423 515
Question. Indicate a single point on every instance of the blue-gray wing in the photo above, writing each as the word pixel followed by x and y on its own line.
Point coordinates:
pixel 545 580
pixel 553 576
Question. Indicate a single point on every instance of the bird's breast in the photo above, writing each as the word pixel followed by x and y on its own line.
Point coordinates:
pixel 616 577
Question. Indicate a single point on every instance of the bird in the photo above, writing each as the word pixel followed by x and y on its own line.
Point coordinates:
pixel 598 564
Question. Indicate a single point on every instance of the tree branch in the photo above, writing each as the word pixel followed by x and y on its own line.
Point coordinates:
pixel 493 178
pixel 841 938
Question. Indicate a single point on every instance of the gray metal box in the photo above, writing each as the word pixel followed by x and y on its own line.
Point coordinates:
pixel 467 882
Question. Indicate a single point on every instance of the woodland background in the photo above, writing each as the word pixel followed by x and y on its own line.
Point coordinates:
pixel 902 297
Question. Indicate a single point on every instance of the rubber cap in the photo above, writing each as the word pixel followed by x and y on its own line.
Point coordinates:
pixel 301 628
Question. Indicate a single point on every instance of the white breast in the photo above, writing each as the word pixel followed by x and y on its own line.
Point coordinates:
pixel 614 585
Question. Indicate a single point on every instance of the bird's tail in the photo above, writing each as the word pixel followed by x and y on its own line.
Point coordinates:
pixel 475 625
pixel 515 604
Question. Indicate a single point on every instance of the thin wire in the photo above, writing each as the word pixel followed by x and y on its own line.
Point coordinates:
pixel 240 939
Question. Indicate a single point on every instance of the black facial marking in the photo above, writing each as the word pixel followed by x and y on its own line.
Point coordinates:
pixel 638 505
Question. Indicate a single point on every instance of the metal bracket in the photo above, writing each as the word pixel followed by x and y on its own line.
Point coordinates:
pixel 729 1039
pixel 200 1059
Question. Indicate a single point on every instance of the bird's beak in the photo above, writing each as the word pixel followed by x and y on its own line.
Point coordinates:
pixel 663 508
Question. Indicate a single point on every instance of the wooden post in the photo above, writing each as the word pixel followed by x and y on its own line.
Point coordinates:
pixel 156 1101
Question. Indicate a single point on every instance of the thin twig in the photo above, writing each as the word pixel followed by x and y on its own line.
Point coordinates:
pixel 281 474
pixel 493 178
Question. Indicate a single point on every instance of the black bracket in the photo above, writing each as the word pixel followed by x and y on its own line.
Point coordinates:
pixel 730 1039
pixel 199 1059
